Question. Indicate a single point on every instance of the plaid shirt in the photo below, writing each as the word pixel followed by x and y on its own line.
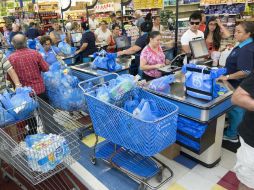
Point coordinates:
pixel 28 65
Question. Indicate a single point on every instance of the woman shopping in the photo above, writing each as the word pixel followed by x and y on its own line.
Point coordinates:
pixel 214 33
pixel 152 57
pixel 239 64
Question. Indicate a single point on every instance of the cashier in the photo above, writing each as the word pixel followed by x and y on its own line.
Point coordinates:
pixel 152 57
pixel 239 64
pixel 51 52
pixel 140 44
pixel 87 43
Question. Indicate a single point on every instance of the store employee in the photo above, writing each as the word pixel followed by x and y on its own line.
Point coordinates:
pixel 239 64
pixel 140 44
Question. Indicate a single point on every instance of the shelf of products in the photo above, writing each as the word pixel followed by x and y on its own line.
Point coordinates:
pixel 223 2
pixel 47 17
pixel 224 9
pixel 147 4
pixel 184 10
pixel 48 6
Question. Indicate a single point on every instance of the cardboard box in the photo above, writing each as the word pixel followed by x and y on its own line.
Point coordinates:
pixel 172 151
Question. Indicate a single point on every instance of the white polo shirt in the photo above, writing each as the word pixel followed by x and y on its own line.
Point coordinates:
pixel 190 36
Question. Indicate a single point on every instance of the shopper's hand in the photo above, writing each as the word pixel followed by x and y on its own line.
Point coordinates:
pixel 222 78
pixel 120 53
pixel 167 62
pixel 219 22
pixel 77 52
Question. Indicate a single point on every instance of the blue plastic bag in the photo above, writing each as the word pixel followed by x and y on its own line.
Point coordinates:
pixel 147 110
pixel 193 128
pixel 107 61
pixel 162 84
pixel 5 117
pixel 22 102
pixel 200 81
pixel 20 105
pixel 65 48
pixel 31 43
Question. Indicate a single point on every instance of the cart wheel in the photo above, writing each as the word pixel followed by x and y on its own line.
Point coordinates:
pixel 159 176
pixel 93 160
pixel 80 135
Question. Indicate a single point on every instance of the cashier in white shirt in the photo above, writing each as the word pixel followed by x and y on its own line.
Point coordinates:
pixel 192 33
pixel 92 22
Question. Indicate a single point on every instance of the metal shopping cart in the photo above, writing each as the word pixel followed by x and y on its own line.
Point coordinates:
pixel 13 154
pixel 130 142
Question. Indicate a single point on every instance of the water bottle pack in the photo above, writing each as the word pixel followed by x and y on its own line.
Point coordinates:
pixel 200 81
pixel 44 152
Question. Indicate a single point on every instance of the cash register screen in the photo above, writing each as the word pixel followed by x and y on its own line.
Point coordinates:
pixel 123 42
pixel 198 48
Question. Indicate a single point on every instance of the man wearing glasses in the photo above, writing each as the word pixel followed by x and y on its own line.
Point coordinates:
pixel 192 33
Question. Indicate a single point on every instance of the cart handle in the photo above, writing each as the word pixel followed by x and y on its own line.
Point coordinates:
pixel 81 84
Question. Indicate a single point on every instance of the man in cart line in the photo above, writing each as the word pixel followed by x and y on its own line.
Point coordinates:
pixel 28 65
pixel 6 68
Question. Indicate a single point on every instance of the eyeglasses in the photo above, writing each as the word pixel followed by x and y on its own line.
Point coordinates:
pixel 196 23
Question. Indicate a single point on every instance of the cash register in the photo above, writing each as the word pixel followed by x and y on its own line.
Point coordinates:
pixel 198 55
pixel 199 52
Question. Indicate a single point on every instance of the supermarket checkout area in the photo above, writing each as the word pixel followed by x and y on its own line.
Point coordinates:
pixel 208 113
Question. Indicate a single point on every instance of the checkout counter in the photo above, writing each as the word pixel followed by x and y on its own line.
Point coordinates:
pixel 207 113
pixel 85 71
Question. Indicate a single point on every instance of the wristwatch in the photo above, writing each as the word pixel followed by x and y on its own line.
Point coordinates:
pixel 227 76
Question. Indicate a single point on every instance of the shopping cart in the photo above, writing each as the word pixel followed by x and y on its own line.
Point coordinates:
pixel 131 142
pixel 42 120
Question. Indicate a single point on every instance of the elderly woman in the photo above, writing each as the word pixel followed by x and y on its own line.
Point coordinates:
pixel 152 57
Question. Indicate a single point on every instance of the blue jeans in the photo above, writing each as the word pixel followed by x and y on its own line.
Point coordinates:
pixel 235 118
pixel 169 54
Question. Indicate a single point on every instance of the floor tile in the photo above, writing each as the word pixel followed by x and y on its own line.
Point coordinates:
pixel 218 187
pixel 188 163
pixel 212 174
pixel 176 186
pixel 90 140
pixel 228 159
pixel 229 181
pixel 193 181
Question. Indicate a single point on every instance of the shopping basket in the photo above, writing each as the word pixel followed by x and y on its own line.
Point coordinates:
pixel 123 128
pixel 43 121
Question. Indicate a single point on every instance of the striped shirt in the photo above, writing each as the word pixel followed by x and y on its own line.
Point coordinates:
pixel 4 67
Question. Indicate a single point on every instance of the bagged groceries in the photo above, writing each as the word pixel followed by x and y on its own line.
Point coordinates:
pixel 106 61
pixel 62 89
pixel 200 81
pixel 16 106
pixel 162 84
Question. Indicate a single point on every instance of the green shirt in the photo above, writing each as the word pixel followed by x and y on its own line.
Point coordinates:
pixel 4 67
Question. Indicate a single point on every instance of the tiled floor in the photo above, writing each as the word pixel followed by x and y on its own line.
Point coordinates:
pixel 188 175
